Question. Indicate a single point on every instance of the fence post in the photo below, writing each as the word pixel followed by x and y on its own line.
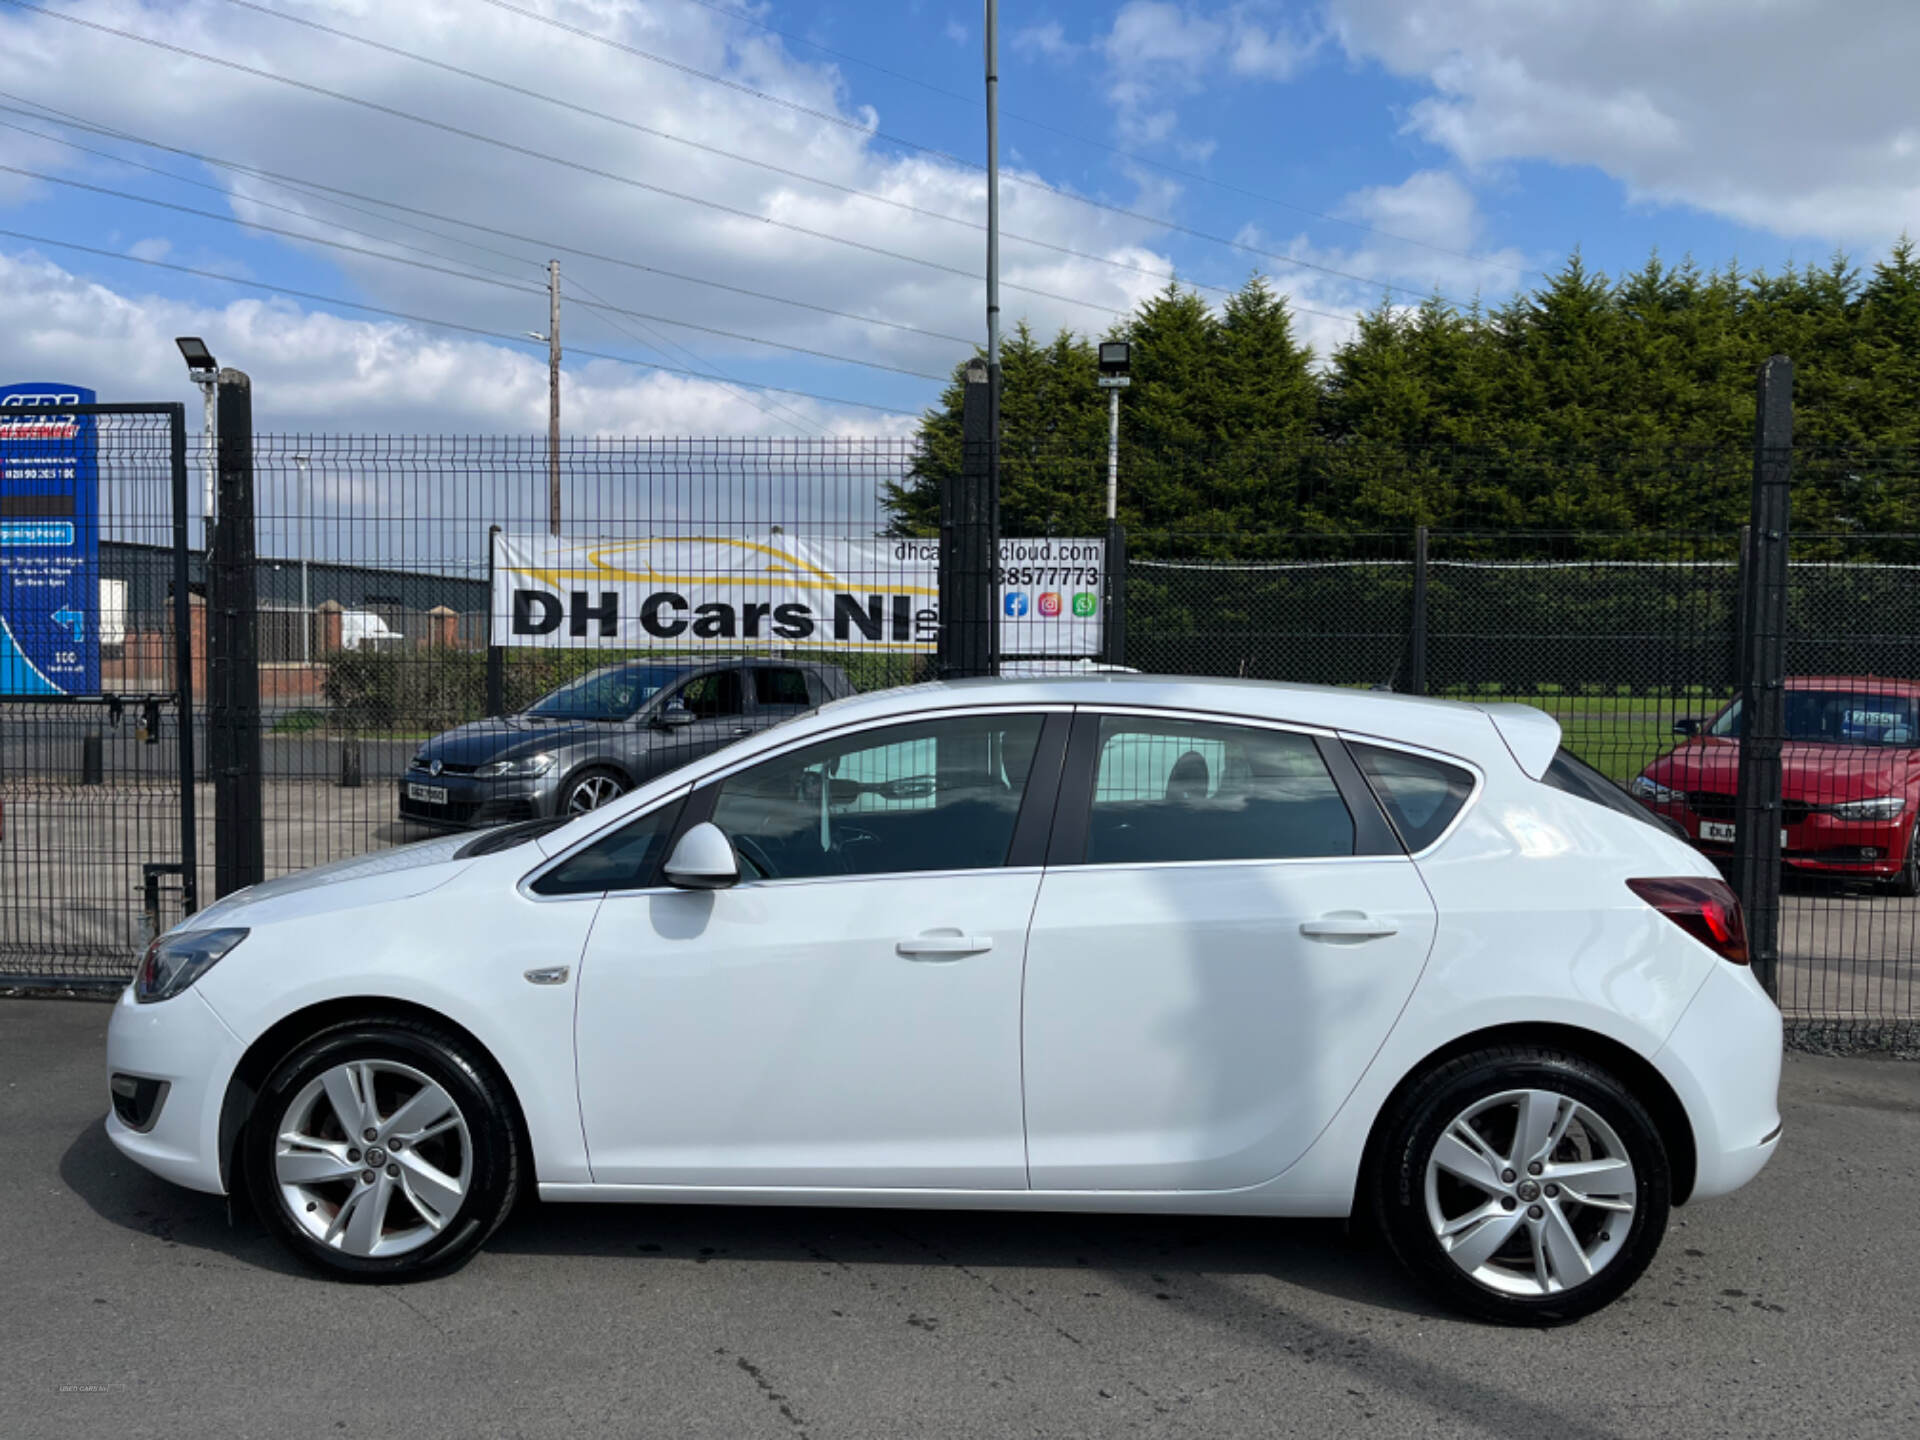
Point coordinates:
pixel 970 542
pixel 233 671
pixel 1113 631
pixel 1763 634
pixel 496 654
pixel 1417 623
pixel 183 664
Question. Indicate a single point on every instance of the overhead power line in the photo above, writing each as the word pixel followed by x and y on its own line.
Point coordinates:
pixel 327 193
pixel 579 166
pixel 747 17
pixel 859 127
pixel 457 274
pixel 905 206
pixel 428 320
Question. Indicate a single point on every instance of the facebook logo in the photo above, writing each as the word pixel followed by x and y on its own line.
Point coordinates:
pixel 1015 604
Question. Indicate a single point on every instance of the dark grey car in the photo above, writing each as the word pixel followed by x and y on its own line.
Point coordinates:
pixel 587 742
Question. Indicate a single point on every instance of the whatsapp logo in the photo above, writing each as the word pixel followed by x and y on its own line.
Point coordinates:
pixel 1085 603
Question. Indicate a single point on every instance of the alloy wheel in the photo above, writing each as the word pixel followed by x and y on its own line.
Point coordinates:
pixel 1530 1192
pixel 590 792
pixel 373 1158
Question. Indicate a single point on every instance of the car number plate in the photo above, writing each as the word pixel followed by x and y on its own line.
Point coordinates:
pixel 1719 830
pixel 431 794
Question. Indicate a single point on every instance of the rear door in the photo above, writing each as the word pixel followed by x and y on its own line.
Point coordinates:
pixel 779 693
pixel 1226 931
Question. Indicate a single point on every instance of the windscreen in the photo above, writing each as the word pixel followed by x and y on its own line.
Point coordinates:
pixel 605 694
pixel 1837 717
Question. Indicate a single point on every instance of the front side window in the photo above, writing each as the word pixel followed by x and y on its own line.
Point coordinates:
pixel 713 696
pixel 936 795
pixel 624 860
pixel 1173 790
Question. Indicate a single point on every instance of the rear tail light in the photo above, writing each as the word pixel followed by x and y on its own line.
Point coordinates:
pixel 1706 909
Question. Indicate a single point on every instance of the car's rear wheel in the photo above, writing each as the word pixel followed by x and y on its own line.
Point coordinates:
pixel 1524 1185
pixel 382 1149
pixel 591 789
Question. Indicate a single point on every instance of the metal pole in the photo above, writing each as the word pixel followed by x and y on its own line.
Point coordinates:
pixel 553 396
pixel 210 413
pixel 1113 455
pixel 183 665
pixel 993 217
pixel 306 614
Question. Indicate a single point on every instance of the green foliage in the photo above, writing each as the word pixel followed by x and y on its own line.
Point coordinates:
pixel 1591 403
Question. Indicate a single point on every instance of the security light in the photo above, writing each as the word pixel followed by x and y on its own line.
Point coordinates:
pixel 199 359
pixel 1115 357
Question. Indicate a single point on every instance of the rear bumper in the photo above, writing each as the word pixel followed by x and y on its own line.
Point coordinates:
pixel 183 1044
pixel 1723 1060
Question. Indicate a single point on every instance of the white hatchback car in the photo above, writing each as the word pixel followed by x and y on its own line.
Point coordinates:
pixel 1112 943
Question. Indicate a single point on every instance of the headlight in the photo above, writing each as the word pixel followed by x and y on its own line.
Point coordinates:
pixel 1653 792
pixel 173 962
pixel 525 765
pixel 1884 807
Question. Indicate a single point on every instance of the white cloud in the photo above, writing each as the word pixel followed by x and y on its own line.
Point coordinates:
pixel 1047 40
pixel 154 247
pixel 318 372
pixel 1158 52
pixel 1794 116
pixel 255 122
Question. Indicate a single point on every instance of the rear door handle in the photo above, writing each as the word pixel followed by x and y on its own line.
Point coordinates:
pixel 1350 925
pixel 947 946
pixel 743 729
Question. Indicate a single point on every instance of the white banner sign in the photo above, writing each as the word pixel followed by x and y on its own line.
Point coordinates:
pixel 781 591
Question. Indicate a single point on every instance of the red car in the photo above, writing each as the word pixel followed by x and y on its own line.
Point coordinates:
pixel 1850 781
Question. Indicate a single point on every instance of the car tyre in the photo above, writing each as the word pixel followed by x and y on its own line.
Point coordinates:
pixel 1504 1178
pixel 590 789
pixel 438 1176
pixel 1907 882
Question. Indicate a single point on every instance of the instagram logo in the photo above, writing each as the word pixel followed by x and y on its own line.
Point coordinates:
pixel 1050 603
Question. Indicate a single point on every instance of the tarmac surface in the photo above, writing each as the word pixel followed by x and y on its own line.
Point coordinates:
pixel 132 1308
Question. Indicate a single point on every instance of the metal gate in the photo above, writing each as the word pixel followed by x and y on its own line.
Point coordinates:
pixel 100 639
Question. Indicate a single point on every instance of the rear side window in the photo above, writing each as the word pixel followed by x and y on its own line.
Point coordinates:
pixel 1420 795
pixel 1168 790
pixel 781 687
pixel 624 860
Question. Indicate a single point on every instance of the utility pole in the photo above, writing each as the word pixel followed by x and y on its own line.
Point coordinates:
pixel 553 396
pixel 993 227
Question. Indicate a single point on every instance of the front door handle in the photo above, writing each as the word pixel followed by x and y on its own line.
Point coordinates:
pixel 944 945
pixel 1348 925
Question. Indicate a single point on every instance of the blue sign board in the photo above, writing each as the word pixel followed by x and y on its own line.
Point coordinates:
pixel 49 543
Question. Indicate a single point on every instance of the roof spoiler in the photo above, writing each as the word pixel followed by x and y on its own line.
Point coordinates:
pixel 1532 735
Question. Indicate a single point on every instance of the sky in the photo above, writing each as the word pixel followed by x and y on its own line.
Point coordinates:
pixel 770 217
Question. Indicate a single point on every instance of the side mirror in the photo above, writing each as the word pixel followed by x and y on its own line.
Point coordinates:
pixel 703 860
pixel 674 715
pixel 1689 726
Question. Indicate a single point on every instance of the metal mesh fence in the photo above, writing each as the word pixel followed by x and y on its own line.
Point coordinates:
pixel 405 688
pixel 90 792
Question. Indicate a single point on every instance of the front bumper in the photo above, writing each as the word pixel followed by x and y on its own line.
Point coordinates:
pixel 1818 844
pixel 472 802
pixel 1723 1060
pixel 183 1044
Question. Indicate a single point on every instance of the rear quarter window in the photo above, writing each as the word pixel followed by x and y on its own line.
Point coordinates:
pixel 1421 795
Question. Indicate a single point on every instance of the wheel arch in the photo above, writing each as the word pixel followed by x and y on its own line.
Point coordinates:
pixel 273 1043
pixel 1634 1069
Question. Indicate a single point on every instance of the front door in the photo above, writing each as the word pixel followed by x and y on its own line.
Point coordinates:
pixel 849 1014
pixel 1213 969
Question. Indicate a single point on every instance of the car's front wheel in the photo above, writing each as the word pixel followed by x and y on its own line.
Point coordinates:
pixel 1522 1184
pixel 1907 882
pixel 382 1149
pixel 591 789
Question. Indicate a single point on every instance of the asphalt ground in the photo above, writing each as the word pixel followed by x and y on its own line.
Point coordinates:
pixel 132 1308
